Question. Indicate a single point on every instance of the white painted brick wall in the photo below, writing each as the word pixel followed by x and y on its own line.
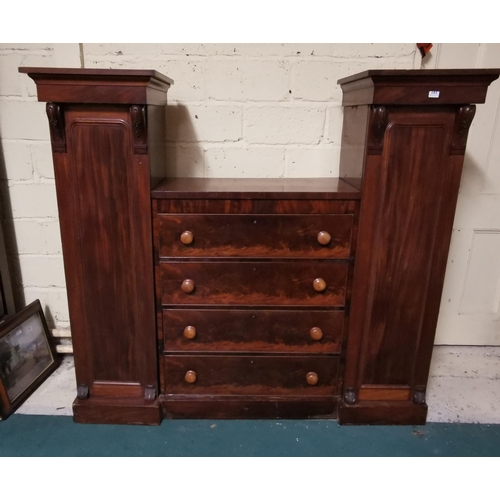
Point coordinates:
pixel 236 110
pixel 29 208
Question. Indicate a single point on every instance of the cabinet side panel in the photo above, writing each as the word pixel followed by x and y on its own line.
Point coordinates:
pixel 100 152
pixel 157 145
pixel 352 153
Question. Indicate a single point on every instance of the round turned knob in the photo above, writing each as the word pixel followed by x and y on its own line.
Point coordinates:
pixel 312 378
pixel 316 333
pixel 187 286
pixel 187 237
pixel 324 238
pixel 190 332
pixel 319 284
pixel 190 377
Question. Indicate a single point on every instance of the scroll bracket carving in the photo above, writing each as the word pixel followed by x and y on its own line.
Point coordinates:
pixel 56 127
pixel 139 127
pixel 463 121
pixel 378 126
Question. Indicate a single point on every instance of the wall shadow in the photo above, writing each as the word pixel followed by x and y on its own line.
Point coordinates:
pixel 184 155
pixel 10 266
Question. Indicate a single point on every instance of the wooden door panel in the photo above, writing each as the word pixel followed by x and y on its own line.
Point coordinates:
pixel 416 175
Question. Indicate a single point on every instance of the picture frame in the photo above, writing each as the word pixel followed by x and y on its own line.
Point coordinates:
pixel 27 356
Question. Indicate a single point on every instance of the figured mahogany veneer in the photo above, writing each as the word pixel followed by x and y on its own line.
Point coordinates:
pixel 108 142
pixel 403 146
pixel 251 375
pixel 265 319
pixel 262 236
pixel 253 284
pixel 256 298
pixel 236 330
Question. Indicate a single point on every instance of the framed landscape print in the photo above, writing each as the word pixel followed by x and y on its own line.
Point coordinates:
pixel 27 356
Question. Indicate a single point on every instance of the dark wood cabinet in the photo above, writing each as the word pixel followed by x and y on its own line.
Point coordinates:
pixel 264 298
pixel 105 162
pixel 404 141
pixel 259 330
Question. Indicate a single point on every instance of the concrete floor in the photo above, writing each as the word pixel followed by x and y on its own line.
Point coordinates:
pixel 464 387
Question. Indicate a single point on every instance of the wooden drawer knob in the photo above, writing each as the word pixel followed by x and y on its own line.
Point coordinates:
pixel 190 377
pixel 312 378
pixel 319 284
pixel 187 286
pixel 190 332
pixel 187 237
pixel 324 238
pixel 316 333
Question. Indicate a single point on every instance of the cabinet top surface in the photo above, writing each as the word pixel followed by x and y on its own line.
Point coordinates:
pixel 416 74
pixel 64 73
pixel 202 188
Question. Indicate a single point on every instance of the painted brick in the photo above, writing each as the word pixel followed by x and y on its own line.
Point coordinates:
pixel 35 237
pixel 372 50
pixel 204 123
pixel 345 50
pixel 117 50
pixel 245 162
pixel 323 86
pixel 247 80
pixel 23 120
pixel 17 161
pixel 12 83
pixel 28 238
pixel 188 76
pixel 42 270
pixel 54 304
pixel 51 236
pixel 41 155
pixel 335 118
pixel 297 50
pixel 284 125
pixel 185 161
pixel 312 162
pixel 10 79
pixel 33 200
pixel 317 80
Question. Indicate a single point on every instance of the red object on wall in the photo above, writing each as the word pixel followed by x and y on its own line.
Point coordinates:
pixel 424 48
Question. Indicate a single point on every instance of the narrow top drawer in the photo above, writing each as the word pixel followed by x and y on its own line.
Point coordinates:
pixel 258 236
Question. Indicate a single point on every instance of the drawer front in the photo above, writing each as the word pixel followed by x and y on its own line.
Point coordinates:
pixel 250 375
pixel 259 236
pixel 257 331
pixel 253 283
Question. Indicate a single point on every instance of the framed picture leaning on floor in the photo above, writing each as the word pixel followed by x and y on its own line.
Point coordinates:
pixel 27 356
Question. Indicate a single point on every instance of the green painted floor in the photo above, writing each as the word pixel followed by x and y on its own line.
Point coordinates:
pixel 36 435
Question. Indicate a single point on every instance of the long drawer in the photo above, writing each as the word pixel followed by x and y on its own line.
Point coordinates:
pixel 256 236
pixel 251 375
pixel 219 330
pixel 284 283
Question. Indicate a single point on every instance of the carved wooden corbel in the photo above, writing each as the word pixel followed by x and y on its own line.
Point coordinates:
pixel 463 121
pixel 378 125
pixel 140 129
pixel 56 127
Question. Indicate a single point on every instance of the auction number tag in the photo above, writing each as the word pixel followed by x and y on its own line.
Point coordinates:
pixel 434 94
